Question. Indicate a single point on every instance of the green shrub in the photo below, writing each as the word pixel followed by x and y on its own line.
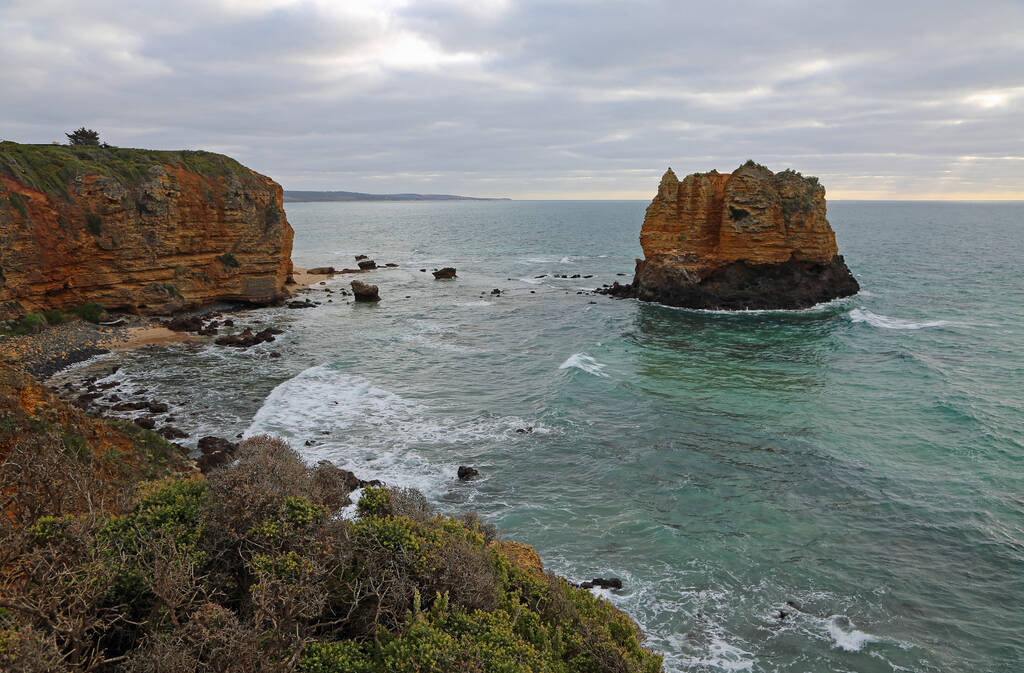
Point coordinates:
pixel 54 317
pixel 343 656
pixel 89 312
pixel 301 512
pixel 32 322
pixel 94 223
pixel 227 259
pixel 373 501
pixel 172 507
pixel 50 528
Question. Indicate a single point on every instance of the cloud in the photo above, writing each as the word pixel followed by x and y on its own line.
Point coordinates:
pixel 573 98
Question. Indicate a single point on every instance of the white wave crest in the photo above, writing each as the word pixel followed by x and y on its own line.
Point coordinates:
pixel 566 260
pixel 584 362
pixel 373 432
pixel 885 322
pixel 849 639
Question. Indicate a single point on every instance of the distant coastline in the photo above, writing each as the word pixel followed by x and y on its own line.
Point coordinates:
pixel 294 196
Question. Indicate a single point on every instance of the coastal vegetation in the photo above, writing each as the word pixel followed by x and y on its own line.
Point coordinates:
pixel 31 323
pixel 118 557
pixel 52 168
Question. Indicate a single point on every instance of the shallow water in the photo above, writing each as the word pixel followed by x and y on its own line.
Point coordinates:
pixel 862 459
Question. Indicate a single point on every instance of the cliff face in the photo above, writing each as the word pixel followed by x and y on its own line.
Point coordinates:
pixel 138 230
pixel 749 239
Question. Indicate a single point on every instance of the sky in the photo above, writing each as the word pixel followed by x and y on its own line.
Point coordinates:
pixel 563 99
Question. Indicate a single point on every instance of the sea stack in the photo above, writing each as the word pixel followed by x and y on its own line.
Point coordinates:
pixel 750 239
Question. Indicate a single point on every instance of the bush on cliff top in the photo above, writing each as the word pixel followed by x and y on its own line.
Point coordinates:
pixel 249 570
pixel 83 136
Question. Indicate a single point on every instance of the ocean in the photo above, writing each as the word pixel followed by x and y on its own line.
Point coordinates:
pixel 834 489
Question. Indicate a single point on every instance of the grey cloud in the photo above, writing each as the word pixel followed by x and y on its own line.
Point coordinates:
pixel 570 98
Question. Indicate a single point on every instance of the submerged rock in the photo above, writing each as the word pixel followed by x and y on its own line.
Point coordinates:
pixel 466 473
pixel 750 239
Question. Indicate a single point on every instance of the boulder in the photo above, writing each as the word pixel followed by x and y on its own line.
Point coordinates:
pixel 364 291
pixel 466 473
pixel 322 271
pixel 247 338
pixel 446 272
pixel 145 422
pixel 601 583
pixel 184 323
pixel 211 444
pixel 171 432
pixel 130 406
pixel 208 461
pixel 367 264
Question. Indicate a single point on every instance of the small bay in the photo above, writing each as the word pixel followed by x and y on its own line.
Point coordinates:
pixel 835 489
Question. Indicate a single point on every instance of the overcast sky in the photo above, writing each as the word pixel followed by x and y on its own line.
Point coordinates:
pixel 570 99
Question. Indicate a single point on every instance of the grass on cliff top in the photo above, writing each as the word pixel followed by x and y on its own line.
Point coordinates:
pixel 51 168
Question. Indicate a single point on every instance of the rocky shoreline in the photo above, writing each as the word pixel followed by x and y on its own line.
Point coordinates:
pixel 58 347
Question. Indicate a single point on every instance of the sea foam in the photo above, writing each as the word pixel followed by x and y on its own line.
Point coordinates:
pixel 584 362
pixel 849 639
pixel 859 315
pixel 374 432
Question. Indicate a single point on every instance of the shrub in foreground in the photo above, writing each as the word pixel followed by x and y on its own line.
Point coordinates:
pixel 252 570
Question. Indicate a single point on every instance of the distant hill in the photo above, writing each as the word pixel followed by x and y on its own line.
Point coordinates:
pixel 295 196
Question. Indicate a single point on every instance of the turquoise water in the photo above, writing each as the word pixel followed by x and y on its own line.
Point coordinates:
pixel 863 459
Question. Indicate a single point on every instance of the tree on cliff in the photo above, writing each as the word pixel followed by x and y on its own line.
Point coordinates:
pixel 83 136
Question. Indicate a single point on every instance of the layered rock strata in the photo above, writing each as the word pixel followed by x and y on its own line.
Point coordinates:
pixel 750 239
pixel 138 230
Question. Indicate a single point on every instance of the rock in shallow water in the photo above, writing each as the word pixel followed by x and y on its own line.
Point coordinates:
pixel 365 292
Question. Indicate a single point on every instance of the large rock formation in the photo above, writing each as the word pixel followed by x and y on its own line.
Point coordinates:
pixel 751 239
pixel 139 230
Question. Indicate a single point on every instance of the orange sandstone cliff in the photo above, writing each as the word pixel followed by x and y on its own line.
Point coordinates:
pixel 138 230
pixel 750 239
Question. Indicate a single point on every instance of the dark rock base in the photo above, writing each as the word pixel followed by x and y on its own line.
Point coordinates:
pixel 740 286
